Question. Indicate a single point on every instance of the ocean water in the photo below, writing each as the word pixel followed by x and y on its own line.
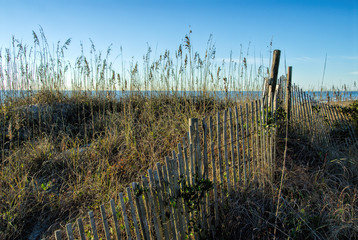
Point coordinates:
pixel 120 94
pixel 323 96
pixel 333 95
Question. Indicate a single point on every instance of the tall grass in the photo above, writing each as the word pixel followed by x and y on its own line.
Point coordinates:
pixel 39 81
pixel 75 133
pixel 41 66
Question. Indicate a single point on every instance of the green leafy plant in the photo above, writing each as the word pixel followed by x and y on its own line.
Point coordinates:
pixel 194 196
pixel 46 186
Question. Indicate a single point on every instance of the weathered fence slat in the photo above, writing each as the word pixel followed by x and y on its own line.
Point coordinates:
pixel 154 179
pixel 194 139
pixel 114 215
pixel 226 153
pixel 81 229
pixel 183 182
pixel 58 235
pixel 252 133
pixel 205 150
pixel 248 142
pixel 243 147
pixel 166 198
pixel 125 218
pixel 186 160
pixel 179 201
pixel 138 197
pixel 134 217
pixel 105 222
pixel 93 225
pixel 152 207
pixel 238 146
pixel 288 102
pixel 271 136
pixel 168 188
pixel 216 211
pixel 191 171
pixel 266 138
pixel 206 208
pixel 69 231
pixel 262 136
pixel 166 205
pixel 232 150
pixel 258 161
pixel 221 170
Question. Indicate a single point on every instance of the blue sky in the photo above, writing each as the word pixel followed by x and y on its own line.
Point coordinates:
pixel 305 31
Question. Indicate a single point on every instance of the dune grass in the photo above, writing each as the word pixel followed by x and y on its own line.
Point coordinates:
pixel 69 146
pixel 60 174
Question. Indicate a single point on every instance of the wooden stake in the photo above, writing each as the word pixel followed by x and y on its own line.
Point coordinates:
pixel 288 93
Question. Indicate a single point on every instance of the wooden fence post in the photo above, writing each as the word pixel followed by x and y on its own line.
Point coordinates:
pixel 270 84
pixel 288 93
pixel 274 69
pixel 193 135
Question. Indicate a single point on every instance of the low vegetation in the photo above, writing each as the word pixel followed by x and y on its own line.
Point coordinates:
pixel 59 174
pixel 318 200
pixel 64 152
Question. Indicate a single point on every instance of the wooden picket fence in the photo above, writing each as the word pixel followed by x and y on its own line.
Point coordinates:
pixel 318 122
pixel 181 198
pixel 232 151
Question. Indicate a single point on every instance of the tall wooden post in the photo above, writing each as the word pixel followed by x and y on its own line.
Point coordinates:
pixel 270 84
pixel 288 93
pixel 274 69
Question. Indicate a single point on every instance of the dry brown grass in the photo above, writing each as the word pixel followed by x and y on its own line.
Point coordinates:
pixel 63 172
pixel 318 199
pixel 64 155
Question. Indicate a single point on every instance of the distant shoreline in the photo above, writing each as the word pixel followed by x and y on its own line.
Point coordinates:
pixel 323 96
